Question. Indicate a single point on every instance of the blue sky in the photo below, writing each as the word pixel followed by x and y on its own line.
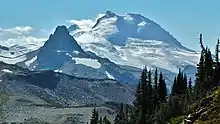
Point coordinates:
pixel 183 19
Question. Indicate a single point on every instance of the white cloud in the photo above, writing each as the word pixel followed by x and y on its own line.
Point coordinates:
pixel 84 24
pixel 18 30
pixel 24 41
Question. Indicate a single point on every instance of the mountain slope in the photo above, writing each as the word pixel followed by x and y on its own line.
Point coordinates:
pixel 64 89
pixel 133 40
pixel 62 53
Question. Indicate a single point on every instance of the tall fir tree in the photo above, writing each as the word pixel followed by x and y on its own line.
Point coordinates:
pixel 190 85
pixel 155 91
pixel 120 117
pixel 100 120
pixel 174 87
pixel 106 121
pixel 199 77
pixel 208 67
pixel 185 83
pixel 217 65
pixel 95 117
pixel 162 90
pixel 149 95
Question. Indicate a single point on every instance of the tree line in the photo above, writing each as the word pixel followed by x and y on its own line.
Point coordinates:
pixel 152 103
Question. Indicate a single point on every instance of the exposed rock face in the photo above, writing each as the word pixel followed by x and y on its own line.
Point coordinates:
pixel 53 54
pixel 207 111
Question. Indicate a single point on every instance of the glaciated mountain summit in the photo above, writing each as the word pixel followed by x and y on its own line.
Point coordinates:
pixel 133 26
pixel 54 53
pixel 62 53
pixel 133 40
pixel 111 46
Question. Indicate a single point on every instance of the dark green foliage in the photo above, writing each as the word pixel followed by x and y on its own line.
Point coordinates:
pixel 100 120
pixel 106 121
pixel 155 92
pixel 162 90
pixel 183 94
pixel 179 84
pixel 190 85
pixel 120 117
pixel 216 65
pixel 95 117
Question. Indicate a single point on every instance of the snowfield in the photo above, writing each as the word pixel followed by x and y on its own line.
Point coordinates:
pixel 88 62
pixel 31 61
pixel 109 75
pixel 6 70
pixel 124 40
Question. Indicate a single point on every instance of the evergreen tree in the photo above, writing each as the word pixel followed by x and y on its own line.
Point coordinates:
pixel 185 82
pixel 174 87
pixel 190 85
pixel 217 65
pixel 199 76
pixel 100 120
pixel 201 43
pixel 216 53
pixel 95 117
pixel 155 80
pixel 120 117
pixel 149 95
pixel 150 89
pixel 208 66
pixel 155 91
pixel 179 84
pixel 162 90
pixel 106 121
pixel 142 117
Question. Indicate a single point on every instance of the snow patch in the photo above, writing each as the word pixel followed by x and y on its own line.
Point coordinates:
pixel 60 71
pixel 128 18
pixel 7 70
pixel 13 60
pixel 142 24
pixel 28 63
pixel 88 62
pixel 76 52
pixel 109 75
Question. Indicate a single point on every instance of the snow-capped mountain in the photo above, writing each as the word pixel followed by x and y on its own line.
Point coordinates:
pixel 111 46
pixel 62 53
pixel 132 40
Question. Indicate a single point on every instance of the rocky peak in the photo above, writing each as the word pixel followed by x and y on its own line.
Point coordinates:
pixel 109 14
pixel 58 49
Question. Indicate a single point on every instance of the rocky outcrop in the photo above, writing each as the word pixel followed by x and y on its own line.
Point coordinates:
pixel 207 111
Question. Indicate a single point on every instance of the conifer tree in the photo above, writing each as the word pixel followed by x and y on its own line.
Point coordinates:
pixel 190 85
pixel 106 121
pixel 185 83
pixel 199 76
pixel 155 80
pixel 95 117
pixel 100 120
pixel 216 53
pixel 174 87
pixel 144 98
pixel 155 91
pixel 162 90
pixel 217 65
pixel 120 117
pixel 208 67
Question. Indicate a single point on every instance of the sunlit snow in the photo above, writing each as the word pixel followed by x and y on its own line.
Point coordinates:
pixel 7 70
pixel 88 62
pixel 109 75
pixel 31 61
